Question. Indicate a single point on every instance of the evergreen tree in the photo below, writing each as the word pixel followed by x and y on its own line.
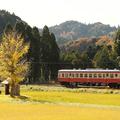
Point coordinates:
pixel 50 55
pixel 35 47
pixel 8 28
pixel 20 28
pixel 117 42
pixel 46 50
pixel 54 58
pixel 117 48
pixel 28 33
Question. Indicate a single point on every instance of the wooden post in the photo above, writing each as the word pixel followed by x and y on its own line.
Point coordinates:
pixel 7 89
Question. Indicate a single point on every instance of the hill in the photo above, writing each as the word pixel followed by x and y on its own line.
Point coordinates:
pixel 6 17
pixel 73 30
pixel 83 43
pixel 70 34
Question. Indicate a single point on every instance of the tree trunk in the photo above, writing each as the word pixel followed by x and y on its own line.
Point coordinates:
pixel 15 90
pixel 49 76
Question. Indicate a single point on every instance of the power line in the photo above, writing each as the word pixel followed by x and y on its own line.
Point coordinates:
pixel 48 63
pixel 60 62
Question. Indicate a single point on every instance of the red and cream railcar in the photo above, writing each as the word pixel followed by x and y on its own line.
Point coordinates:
pixel 89 77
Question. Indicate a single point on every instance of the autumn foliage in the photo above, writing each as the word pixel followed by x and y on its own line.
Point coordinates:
pixel 13 65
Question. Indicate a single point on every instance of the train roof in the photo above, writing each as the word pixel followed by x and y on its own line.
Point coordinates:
pixel 89 70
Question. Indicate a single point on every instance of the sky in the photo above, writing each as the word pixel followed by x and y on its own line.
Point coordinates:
pixel 53 12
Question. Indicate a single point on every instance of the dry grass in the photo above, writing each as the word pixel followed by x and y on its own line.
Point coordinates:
pixel 53 104
pixel 60 94
pixel 55 112
pixel 69 97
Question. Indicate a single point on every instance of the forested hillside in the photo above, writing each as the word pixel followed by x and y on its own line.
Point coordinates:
pixel 83 43
pixel 73 30
pixel 7 18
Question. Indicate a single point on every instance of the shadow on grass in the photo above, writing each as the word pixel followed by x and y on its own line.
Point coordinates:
pixel 22 98
pixel 27 99
pixel 41 101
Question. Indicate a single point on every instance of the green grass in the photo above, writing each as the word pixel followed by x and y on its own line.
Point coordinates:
pixel 64 95
pixel 69 97
pixel 51 94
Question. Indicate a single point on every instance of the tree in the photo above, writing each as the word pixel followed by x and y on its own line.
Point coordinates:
pixel 70 60
pixel 102 59
pixel 85 61
pixel 91 51
pixel 46 54
pixel 35 48
pixel 49 55
pixel 20 28
pixel 117 43
pixel 54 58
pixel 13 63
pixel 116 50
pixel 8 28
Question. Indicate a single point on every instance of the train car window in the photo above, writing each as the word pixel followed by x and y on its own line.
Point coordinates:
pixel 66 75
pixel 81 75
pixel 72 75
pixel 99 75
pixel 76 75
pixel 86 75
pixel 95 75
pixel 107 75
pixel 116 75
pixel 69 75
pixel 103 75
pixel 90 75
pixel 111 75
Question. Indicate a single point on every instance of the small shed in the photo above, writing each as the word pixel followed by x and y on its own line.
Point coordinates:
pixel 5 82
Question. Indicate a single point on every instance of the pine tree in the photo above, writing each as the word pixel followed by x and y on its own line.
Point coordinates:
pixel 54 58
pixel 45 58
pixel 50 55
pixel 20 28
pixel 117 48
pixel 8 28
pixel 35 48
pixel 117 42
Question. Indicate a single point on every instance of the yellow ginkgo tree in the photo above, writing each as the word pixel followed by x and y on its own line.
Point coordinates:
pixel 13 63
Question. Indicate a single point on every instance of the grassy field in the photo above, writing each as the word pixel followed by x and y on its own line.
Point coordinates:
pixel 58 103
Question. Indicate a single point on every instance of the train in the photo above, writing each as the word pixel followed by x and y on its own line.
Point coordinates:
pixel 89 77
